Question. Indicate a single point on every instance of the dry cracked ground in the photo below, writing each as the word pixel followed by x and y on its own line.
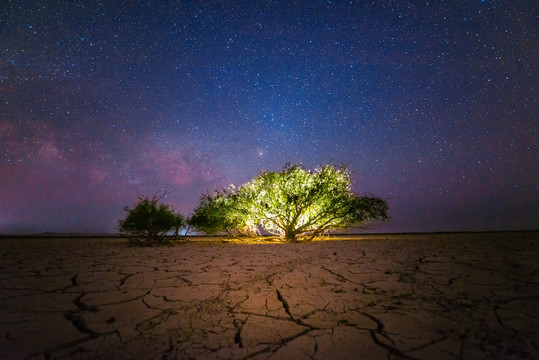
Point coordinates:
pixel 443 296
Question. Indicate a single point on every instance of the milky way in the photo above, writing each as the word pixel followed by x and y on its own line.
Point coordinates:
pixel 433 106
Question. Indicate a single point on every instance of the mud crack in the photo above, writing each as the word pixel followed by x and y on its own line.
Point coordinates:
pixel 286 308
pixel 379 332
pixel 285 305
pixel 80 324
pixel 237 336
pixel 340 277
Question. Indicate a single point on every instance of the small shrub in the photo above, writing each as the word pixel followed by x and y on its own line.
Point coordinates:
pixel 149 222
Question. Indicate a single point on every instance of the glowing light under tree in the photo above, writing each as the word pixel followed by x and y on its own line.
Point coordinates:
pixel 294 204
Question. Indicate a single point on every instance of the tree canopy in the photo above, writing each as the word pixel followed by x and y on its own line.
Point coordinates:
pixel 294 204
pixel 150 221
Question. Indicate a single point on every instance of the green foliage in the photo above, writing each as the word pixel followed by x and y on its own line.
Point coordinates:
pixel 292 204
pixel 223 212
pixel 150 221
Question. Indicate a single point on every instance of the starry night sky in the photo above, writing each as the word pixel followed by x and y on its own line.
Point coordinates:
pixel 433 106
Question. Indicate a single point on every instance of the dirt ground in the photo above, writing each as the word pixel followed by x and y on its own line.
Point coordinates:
pixel 427 296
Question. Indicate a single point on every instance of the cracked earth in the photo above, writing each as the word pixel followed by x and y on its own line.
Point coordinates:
pixel 442 296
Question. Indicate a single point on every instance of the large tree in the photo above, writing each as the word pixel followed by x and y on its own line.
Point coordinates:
pixel 294 204
pixel 149 221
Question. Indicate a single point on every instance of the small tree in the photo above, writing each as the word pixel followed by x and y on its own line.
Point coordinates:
pixel 292 204
pixel 150 221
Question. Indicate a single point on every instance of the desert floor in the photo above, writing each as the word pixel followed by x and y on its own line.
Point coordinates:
pixel 427 296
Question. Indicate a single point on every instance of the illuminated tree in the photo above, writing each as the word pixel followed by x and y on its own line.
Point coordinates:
pixel 294 204
pixel 224 211
pixel 150 221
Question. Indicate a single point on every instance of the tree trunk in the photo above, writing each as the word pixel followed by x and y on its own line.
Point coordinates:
pixel 290 236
